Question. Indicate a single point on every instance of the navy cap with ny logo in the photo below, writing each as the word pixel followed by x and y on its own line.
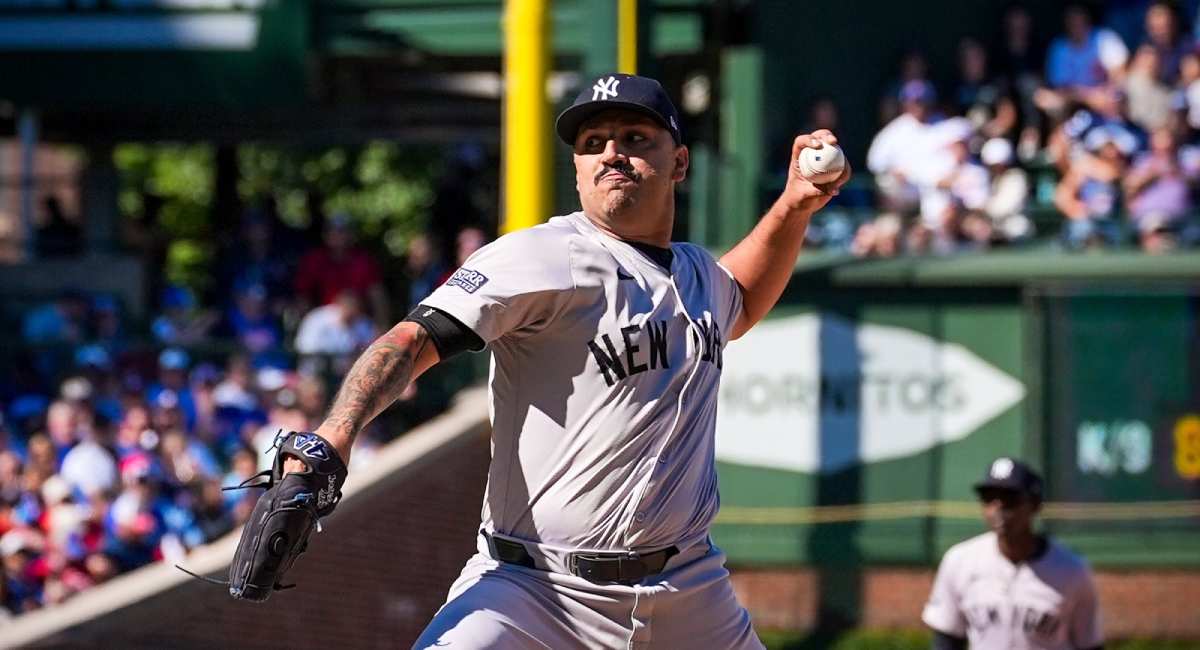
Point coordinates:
pixel 624 91
pixel 1006 473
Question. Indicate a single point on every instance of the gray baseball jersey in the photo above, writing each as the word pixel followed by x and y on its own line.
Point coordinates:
pixel 1045 604
pixel 604 377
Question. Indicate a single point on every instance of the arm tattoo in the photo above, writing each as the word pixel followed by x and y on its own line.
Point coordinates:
pixel 377 378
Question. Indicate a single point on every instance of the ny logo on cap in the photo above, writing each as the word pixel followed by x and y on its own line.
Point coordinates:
pixel 605 88
pixel 1002 468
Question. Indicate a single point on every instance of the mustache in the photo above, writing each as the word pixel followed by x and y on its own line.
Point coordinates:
pixel 621 167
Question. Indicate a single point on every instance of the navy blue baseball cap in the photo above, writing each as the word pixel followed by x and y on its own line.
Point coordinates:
pixel 1006 473
pixel 624 91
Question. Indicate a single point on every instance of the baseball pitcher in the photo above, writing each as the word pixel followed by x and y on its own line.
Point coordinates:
pixel 607 343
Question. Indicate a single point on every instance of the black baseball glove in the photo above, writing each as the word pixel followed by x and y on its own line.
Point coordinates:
pixel 285 515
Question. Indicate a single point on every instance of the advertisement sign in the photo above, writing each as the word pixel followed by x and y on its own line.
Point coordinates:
pixel 818 393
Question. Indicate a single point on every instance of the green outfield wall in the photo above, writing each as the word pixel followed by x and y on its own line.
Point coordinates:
pixel 854 421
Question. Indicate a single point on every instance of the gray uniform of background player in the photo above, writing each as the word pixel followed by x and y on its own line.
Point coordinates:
pixel 604 383
pixel 1047 603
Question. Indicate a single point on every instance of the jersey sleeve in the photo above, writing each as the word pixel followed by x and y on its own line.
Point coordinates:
pixel 726 292
pixel 1086 631
pixel 513 286
pixel 943 612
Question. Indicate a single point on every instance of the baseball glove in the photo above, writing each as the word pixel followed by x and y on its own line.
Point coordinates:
pixel 285 515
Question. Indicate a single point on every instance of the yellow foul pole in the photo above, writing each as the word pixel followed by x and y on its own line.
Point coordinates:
pixel 527 128
pixel 627 36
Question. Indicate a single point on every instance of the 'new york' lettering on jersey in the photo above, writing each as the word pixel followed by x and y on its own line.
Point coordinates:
pixel 606 358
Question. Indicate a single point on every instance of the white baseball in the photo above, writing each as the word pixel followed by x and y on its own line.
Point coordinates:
pixel 821 165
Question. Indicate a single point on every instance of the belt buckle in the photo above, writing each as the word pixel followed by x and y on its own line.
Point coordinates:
pixel 624 561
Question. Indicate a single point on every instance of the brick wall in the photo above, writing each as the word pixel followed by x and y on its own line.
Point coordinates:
pixel 373 579
pixel 1159 603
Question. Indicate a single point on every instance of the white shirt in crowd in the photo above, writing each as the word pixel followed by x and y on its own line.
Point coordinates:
pixel 892 149
pixel 1048 603
pixel 324 331
pixel 90 468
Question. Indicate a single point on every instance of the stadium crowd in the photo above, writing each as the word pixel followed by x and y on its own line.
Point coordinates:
pixel 1093 141
pixel 116 440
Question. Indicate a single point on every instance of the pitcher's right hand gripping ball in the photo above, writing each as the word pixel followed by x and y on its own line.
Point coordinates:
pixel 285 515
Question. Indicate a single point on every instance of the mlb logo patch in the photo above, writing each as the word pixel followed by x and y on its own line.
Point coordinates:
pixel 467 280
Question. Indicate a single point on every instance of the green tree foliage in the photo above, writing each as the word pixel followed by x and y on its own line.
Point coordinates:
pixel 386 189
pixel 181 175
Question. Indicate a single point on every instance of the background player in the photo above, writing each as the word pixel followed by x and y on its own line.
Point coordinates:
pixel 607 345
pixel 1012 588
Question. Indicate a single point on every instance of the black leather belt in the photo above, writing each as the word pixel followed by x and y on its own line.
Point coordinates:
pixel 600 568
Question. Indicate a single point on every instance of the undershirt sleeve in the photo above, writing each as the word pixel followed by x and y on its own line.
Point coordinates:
pixel 449 336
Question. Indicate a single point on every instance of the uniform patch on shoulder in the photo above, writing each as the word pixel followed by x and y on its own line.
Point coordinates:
pixel 467 280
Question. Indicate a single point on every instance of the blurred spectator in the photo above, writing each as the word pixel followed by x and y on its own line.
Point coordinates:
pixel 243 466
pixel 165 414
pixel 59 235
pixel 10 475
pixel 1085 56
pixel 1017 54
pixel 1166 39
pixel 181 322
pixel 881 237
pixel 958 184
pixel 469 240
pixel 1104 111
pixel 822 114
pixel 41 461
pixel 186 461
pixel 133 527
pixel 1008 195
pixel 1188 90
pixel 89 467
pixel 96 367
pixel 63 421
pixel 173 366
pixel 11 252
pixel 1018 60
pixel 338 329
pixel 424 269
pixel 1158 193
pixel 212 518
pixel 19 549
pixel 984 100
pixel 913 67
pixel 898 149
pixel 1150 102
pixel 311 398
pixel 64 519
pixel 456 201
pixel 108 328
pixel 134 427
pixel 284 415
pixel 62 321
pixel 255 259
pixel 234 391
pixel 1089 193
pixel 339 265
pixel 203 382
pixel 150 240
pixel 250 322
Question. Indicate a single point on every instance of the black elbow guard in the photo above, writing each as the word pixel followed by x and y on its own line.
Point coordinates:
pixel 449 336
